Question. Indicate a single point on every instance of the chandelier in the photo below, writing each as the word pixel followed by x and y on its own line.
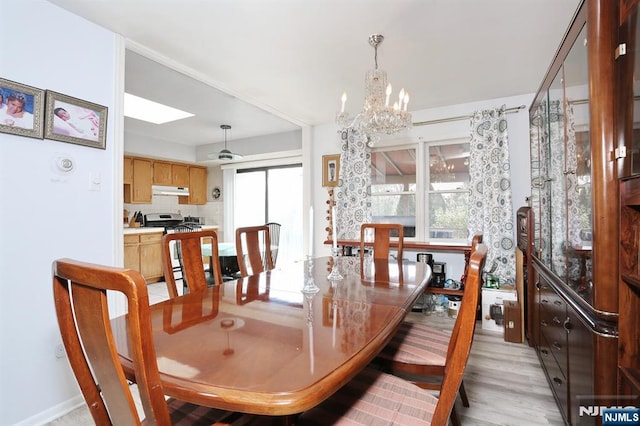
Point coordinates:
pixel 377 115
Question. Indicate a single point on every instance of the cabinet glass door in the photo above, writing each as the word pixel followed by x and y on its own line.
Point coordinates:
pixel 578 168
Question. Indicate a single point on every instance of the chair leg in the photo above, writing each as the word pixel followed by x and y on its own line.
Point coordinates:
pixel 453 417
pixel 463 395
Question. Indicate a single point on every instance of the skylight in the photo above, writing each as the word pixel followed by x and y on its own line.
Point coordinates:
pixel 152 112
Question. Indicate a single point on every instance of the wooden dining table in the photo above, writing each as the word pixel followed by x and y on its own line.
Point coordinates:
pixel 261 345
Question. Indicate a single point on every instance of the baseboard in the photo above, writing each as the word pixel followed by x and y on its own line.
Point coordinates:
pixel 54 412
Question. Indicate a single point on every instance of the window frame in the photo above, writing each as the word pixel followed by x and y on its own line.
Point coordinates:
pixel 422 191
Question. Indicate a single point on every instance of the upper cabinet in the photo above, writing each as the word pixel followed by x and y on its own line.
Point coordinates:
pixel 141 173
pixel 170 174
pixel 561 170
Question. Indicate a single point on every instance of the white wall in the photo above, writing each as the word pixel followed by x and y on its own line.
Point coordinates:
pixel 326 141
pixel 44 215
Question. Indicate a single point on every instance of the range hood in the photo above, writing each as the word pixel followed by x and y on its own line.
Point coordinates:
pixel 169 190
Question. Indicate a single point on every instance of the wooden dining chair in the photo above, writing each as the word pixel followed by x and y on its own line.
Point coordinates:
pixel 253 249
pixel 274 236
pixel 376 397
pixel 421 352
pixel 193 270
pixel 378 237
pixel 80 295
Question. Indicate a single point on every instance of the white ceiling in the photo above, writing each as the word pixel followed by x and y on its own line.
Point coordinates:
pixel 278 64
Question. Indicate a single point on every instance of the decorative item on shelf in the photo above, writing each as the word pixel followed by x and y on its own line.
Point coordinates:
pixel 377 116
pixel 225 154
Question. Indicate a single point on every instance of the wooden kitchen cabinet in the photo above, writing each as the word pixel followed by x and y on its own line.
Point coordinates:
pixel 138 190
pixel 171 174
pixel 197 186
pixel 143 253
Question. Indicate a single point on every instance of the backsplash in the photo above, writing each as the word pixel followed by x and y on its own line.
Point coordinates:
pixel 212 212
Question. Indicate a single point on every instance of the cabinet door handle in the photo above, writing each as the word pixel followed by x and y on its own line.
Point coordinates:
pixel 557 321
pixel 556 346
pixel 544 351
pixel 544 301
pixel 543 323
pixel 538 285
pixel 557 381
pixel 567 325
pixel 557 302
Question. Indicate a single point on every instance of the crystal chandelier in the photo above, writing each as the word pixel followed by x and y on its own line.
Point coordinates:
pixel 377 115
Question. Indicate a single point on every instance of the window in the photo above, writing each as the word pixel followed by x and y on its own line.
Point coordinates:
pixel 447 198
pixel 393 188
pixel 398 182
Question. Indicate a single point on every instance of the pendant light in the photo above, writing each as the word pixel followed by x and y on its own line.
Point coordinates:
pixel 225 154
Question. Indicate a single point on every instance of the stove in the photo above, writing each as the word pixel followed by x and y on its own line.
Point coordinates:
pixel 162 220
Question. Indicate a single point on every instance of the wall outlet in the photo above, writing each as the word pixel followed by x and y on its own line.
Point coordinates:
pixel 59 350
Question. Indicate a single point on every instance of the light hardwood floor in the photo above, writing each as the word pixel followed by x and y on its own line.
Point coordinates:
pixel 504 381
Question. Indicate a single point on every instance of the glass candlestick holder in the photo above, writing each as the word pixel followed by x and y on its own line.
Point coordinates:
pixel 310 286
pixel 334 275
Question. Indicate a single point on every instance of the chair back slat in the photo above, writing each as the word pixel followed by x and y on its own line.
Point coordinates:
pixel 81 306
pixel 274 236
pixel 191 260
pixel 253 249
pixel 461 337
pixel 383 235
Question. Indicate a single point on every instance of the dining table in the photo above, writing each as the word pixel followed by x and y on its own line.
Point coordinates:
pixel 282 341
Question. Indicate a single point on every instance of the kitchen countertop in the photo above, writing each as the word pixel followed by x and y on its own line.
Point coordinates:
pixel 130 231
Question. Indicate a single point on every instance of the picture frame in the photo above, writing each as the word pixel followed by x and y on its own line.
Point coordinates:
pixel 28 121
pixel 76 121
pixel 330 170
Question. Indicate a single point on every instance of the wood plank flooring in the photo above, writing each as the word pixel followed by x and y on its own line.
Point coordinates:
pixel 504 381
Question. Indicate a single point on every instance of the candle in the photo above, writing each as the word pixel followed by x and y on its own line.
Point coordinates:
pixel 400 97
pixel 311 231
pixel 344 101
pixel 406 100
pixel 334 235
pixel 386 102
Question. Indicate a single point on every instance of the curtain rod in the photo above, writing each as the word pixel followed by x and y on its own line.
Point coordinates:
pixel 462 117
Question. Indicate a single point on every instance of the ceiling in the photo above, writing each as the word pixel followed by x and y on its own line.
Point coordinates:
pixel 270 66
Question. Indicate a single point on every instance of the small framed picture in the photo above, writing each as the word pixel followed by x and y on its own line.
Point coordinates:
pixel 330 170
pixel 21 109
pixel 75 121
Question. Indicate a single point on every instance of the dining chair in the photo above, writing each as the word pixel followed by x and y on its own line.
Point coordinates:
pixel 378 236
pixel 253 249
pixel 80 295
pixel 274 235
pixel 193 269
pixel 377 397
pixel 420 351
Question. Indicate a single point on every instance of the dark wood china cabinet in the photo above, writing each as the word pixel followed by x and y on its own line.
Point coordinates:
pixel 627 154
pixel 573 289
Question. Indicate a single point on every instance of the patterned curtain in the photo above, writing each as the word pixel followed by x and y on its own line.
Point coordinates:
pixel 490 205
pixel 353 194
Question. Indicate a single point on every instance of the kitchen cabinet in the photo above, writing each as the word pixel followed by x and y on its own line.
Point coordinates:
pixel 138 189
pixel 197 186
pixel 628 69
pixel 170 174
pixel 141 173
pixel 143 253
pixel 573 310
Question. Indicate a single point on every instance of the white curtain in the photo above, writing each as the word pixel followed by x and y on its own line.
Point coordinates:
pixel 353 194
pixel 490 204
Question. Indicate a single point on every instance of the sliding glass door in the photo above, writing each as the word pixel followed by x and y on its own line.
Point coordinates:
pixel 272 194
